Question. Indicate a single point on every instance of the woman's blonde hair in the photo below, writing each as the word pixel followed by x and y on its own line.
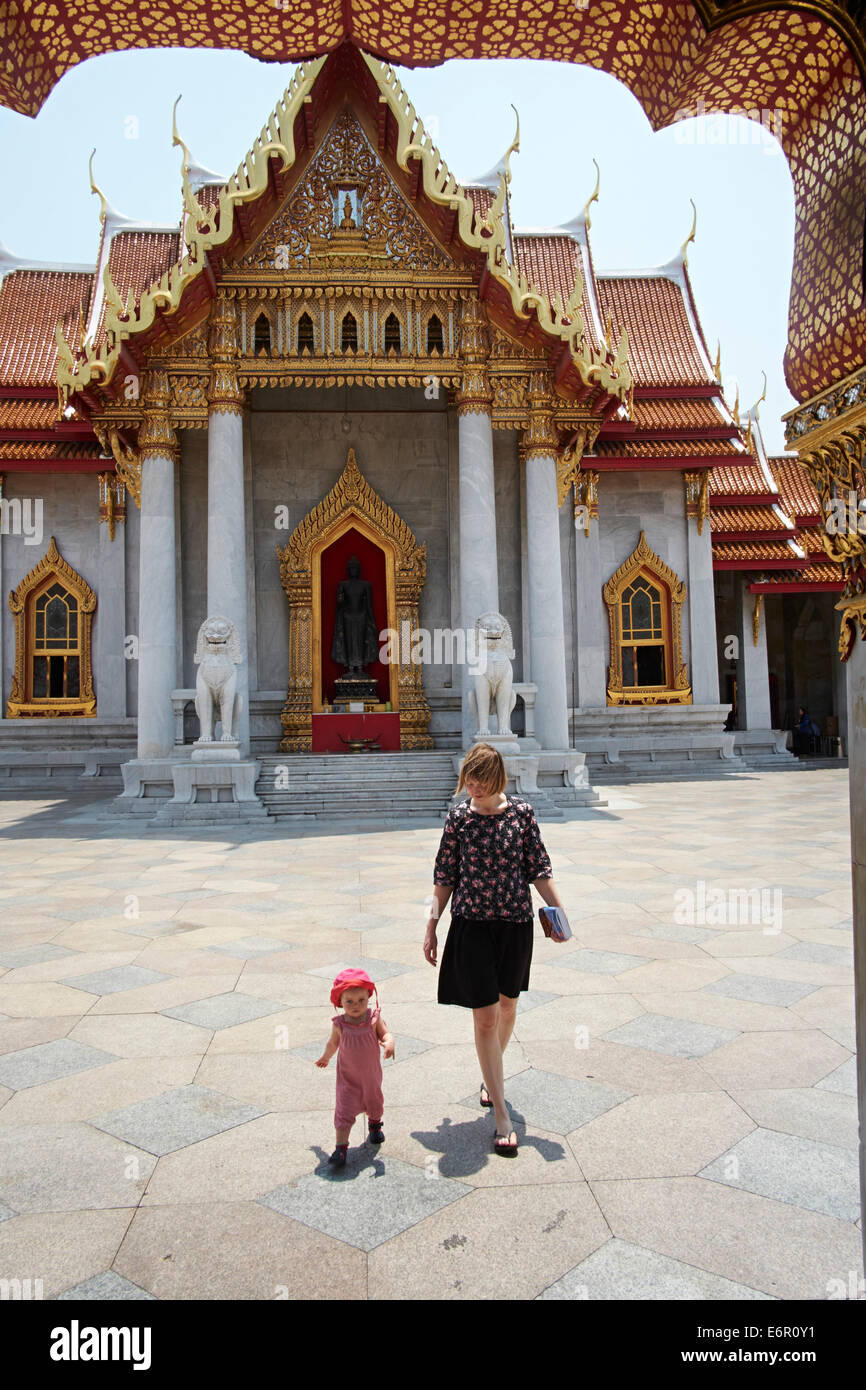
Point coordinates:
pixel 483 764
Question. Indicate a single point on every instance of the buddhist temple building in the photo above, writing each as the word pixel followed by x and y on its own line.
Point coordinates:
pixel 342 353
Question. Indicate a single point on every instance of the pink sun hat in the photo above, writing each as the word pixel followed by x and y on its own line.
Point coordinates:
pixel 351 979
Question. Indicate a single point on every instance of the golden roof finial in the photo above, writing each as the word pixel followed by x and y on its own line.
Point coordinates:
pixel 736 410
pixel 176 140
pixel 514 147
pixel 717 365
pixel 594 197
pixel 762 397
pixel 691 235
pixel 94 188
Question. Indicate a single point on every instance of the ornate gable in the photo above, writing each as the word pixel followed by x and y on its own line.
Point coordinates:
pixel 346 212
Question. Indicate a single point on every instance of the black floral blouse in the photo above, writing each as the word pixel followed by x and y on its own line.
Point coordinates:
pixel 490 860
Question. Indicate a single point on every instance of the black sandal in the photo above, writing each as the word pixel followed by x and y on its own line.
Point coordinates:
pixel 508 1150
pixel 488 1103
pixel 376 1134
pixel 338 1157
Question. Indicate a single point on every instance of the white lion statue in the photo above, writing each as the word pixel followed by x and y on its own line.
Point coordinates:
pixel 217 655
pixel 493 673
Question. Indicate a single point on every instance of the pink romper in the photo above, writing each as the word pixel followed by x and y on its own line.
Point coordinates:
pixel 359 1070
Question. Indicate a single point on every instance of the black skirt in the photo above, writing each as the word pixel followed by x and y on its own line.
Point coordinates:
pixel 483 958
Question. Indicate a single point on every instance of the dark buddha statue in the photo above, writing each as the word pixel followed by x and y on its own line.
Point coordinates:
pixel 356 637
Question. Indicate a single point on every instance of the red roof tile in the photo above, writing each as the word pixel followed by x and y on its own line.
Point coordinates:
pixel 798 495
pixel 737 480
pixel 747 519
pixel 662 346
pixel 32 302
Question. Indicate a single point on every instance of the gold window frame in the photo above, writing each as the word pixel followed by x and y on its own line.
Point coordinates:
pixel 644 561
pixel 22 704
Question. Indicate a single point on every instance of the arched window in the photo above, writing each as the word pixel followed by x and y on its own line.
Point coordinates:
pixel 435 335
pixel 392 334
pixel 644 602
pixel 642 636
pixel 349 334
pixel 262 336
pixel 306 340
pixel 53 610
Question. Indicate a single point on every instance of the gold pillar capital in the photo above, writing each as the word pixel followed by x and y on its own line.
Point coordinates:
pixel 225 396
pixel 540 438
pixel 156 436
pixel 474 395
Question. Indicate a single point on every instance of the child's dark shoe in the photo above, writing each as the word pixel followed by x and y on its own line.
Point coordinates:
pixel 376 1135
pixel 338 1157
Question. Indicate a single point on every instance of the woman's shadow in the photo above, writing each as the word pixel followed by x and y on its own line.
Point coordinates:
pixel 467 1147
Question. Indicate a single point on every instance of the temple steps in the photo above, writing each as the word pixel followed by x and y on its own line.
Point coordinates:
pixel 338 785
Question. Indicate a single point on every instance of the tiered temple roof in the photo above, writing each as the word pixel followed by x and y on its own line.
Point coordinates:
pixel 765 515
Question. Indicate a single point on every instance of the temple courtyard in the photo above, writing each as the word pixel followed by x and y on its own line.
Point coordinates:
pixel 681 1077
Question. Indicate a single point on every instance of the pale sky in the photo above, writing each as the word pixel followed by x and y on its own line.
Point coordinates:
pixel 733 169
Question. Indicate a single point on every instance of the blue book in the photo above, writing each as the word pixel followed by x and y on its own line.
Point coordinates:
pixel 554 923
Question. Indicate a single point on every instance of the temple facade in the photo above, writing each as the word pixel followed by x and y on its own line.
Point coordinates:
pixel 341 362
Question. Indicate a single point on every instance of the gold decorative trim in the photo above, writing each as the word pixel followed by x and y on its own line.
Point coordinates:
pixel 568 464
pixel 21 704
pixel 112 504
pixel 351 502
pixel 644 559
pixel 127 460
pixel 697 488
pixel 756 619
pixel 586 497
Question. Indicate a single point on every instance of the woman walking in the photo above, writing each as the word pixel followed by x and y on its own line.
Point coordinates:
pixel 490 851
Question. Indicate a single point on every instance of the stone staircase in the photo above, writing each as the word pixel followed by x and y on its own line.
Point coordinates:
pixel 342 786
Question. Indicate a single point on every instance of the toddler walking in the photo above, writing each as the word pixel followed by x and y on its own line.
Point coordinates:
pixel 356 1036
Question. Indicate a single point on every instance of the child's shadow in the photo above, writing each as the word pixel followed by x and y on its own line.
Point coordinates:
pixel 356 1161
pixel 467 1147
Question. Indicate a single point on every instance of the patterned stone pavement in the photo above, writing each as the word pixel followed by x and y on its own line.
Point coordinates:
pixel 681 1076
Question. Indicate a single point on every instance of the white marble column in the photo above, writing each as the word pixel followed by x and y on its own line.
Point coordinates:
pixel 109 629
pixel 479 577
pixel 857 785
pixel 702 595
pixel 226 542
pixel 157 613
pixel 753 674
pixel 226 511
pixel 546 619
pixel 591 659
pixel 546 623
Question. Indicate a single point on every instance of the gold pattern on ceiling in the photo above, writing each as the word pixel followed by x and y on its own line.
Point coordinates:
pixel 803 65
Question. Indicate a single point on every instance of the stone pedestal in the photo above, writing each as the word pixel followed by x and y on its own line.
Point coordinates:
pixel 213 793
